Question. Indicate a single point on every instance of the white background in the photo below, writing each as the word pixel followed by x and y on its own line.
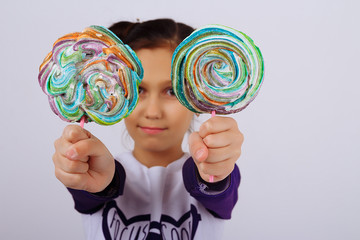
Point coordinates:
pixel 300 162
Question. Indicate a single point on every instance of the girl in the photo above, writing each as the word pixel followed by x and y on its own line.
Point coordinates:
pixel 156 191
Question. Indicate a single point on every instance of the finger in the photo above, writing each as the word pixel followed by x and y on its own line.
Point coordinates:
pixel 70 166
pixel 221 154
pixel 82 149
pixel 62 146
pixel 75 181
pixel 74 133
pixel 198 149
pixel 216 124
pixel 85 148
pixel 219 170
pixel 224 139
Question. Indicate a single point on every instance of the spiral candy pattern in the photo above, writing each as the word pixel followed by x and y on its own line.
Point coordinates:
pixel 91 73
pixel 218 69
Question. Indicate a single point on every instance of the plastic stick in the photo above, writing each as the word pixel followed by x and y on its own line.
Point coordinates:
pixel 82 121
pixel 211 177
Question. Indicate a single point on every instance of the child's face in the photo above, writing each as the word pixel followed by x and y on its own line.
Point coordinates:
pixel 159 121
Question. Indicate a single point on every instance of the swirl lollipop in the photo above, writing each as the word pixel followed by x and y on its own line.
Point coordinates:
pixel 216 70
pixel 92 75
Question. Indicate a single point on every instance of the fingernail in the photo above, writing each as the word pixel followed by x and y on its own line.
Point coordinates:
pixel 199 153
pixel 72 153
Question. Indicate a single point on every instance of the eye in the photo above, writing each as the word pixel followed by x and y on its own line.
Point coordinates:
pixel 170 91
pixel 141 90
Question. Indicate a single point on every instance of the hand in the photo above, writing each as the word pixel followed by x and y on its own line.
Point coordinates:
pixel 216 147
pixel 82 161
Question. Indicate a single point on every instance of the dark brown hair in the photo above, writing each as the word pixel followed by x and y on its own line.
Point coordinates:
pixel 151 34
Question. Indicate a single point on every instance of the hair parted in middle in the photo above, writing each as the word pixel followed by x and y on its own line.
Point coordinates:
pixel 151 34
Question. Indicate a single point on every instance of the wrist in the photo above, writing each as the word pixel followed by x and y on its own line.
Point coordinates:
pixel 212 188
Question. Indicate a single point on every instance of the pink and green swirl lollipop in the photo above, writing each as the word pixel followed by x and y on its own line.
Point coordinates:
pixel 217 68
pixel 91 74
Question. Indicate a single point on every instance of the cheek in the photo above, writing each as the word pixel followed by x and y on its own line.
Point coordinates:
pixel 180 115
pixel 130 123
pixel 133 116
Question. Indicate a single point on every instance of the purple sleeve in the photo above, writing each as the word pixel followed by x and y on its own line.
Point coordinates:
pixel 88 203
pixel 219 203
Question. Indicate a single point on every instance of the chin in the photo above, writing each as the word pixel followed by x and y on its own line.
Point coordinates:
pixel 154 146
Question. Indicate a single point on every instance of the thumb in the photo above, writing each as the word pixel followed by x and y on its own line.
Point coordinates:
pixel 198 149
pixel 75 133
pixel 91 147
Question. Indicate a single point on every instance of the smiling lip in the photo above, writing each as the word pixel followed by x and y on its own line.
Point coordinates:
pixel 152 130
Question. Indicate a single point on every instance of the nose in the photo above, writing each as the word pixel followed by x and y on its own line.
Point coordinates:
pixel 153 107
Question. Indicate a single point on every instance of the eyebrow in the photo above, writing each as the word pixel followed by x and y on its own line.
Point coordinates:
pixel 164 82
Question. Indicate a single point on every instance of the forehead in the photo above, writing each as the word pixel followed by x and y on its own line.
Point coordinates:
pixel 156 64
pixel 155 56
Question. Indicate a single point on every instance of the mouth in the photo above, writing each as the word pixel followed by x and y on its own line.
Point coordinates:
pixel 152 130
